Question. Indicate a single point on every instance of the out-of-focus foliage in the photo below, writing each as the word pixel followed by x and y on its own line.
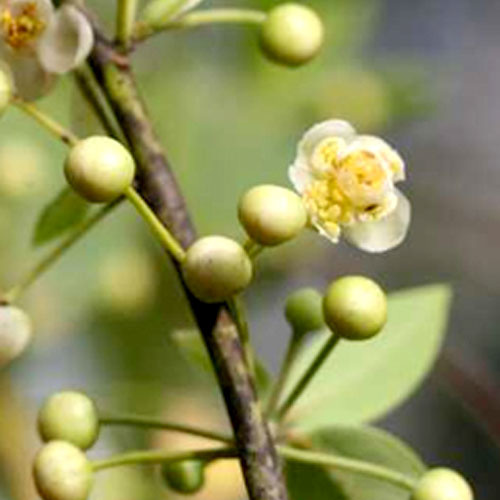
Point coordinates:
pixel 229 120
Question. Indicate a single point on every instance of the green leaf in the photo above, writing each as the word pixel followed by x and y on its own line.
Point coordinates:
pixel 362 381
pixel 191 345
pixel 370 445
pixel 60 215
pixel 311 482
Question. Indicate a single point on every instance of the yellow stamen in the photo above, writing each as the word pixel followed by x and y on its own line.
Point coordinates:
pixel 22 28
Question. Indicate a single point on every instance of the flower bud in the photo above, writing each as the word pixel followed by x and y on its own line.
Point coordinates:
pixel 442 484
pixel 6 87
pixel 292 34
pixel 15 333
pixel 99 169
pixel 272 214
pixel 62 472
pixel 355 308
pixel 186 476
pixel 216 268
pixel 303 310
pixel 69 416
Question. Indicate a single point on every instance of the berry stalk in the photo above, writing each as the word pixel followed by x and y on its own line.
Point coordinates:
pixel 158 186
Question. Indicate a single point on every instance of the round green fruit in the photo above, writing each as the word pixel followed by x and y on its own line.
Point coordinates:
pixel 99 169
pixel 271 214
pixel 216 268
pixel 304 311
pixel 69 416
pixel 442 484
pixel 186 476
pixel 292 34
pixel 15 333
pixel 62 472
pixel 355 308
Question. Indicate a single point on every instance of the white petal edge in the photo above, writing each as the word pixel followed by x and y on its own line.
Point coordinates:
pixel 383 234
pixel 300 176
pixel 31 80
pixel 320 131
pixel 67 41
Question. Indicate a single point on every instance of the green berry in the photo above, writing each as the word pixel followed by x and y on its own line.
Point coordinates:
pixel 442 484
pixel 292 34
pixel 355 308
pixel 69 416
pixel 62 472
pixel 304 311
pixel 15 333
pixel 99 169
pixel 216 268
pixel 186 476
pixel 6 86
pixel 272 214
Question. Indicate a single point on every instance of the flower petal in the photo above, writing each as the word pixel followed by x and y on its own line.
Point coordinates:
pixel 320 131
pixel 31 80
pixel 383 234
pixel 66 42
pixel 300 176
pixel 388 153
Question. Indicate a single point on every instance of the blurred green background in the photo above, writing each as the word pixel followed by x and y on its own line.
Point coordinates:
pixel 423 74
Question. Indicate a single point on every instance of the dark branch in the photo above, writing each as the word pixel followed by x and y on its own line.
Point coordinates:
pixel 156 182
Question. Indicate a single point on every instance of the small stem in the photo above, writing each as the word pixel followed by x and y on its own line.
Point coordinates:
pixel 201 18
pixel 308 375
pixel 93 94
pixel 290 356
pixel 160 457
pixel 349 465
pixel 55 128
pixel 125 18
pixel 252 248
pixel 46 262
pixel 158 229
pixel 237 308
pixel 153 423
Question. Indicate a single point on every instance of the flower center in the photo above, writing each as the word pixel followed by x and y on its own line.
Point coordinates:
pixel 328 205
pixel 364 170
pixel 21 28
pixel 326 154
pixel 355 186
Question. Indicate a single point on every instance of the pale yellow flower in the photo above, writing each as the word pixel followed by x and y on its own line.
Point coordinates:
pixel 347 182
pixel 39 42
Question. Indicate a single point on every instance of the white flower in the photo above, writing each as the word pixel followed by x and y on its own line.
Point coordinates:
pixel 39 42
pixel 347 185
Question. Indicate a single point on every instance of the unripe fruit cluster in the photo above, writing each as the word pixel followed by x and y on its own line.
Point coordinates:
pixel 271 214
pixel 303 310
pixel 355 308
pixel 292 34
pixel 69 416
pixel 99 169
pixel 216 268
pixel 62 472
pixel 442 484
pixel 186 476
pixel 15 333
